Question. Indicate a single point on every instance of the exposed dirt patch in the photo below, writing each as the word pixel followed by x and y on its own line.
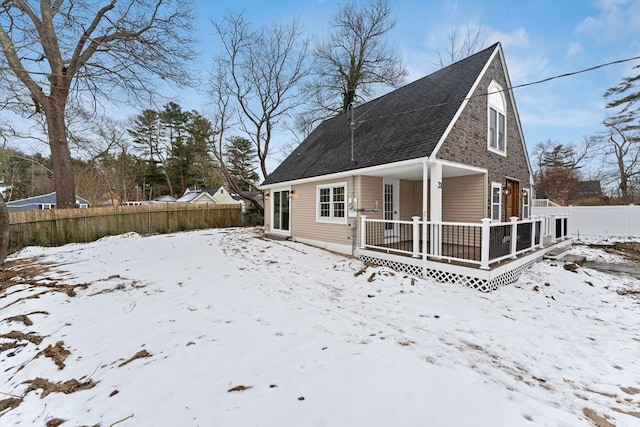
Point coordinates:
pixel 30 274
pixel 9 404
pixel 239 388
pixel 21 336
pixel 67 387
pixel 138 355
pixel 628 250
pixel 596 419
pixel 630 390
pixel 23 271
pixel 21 318
pixel 10 345
pixel 54 422
pixel 57 353
pixel 632 413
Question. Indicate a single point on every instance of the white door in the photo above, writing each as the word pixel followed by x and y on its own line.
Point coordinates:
pixel 391 206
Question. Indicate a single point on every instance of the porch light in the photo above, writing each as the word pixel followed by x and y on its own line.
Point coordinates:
pixel 506 190
pixel 291 193
pixel 523 193
pixel 267 195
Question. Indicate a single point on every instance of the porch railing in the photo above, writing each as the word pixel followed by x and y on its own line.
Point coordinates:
pixel 480 244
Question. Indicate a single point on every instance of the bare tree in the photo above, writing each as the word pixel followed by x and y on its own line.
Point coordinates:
pixel 621 147
pixel 4 231
pixel 558 167
pixel 353 60
pixel 87 51
pixel 222 123
pixel 460 46
pixel 262 69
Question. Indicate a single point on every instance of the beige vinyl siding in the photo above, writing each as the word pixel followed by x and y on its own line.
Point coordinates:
pixel 267 213
pixel 407 200
pixel 463 201
pixel 303 215
pixel 463 198
pixel 369 189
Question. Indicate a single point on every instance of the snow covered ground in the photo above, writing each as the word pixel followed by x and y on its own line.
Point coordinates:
pixel 226 328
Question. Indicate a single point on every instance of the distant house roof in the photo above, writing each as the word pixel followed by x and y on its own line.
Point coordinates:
pixel 588 188
pixel 165 198
pixel 196 197
pixel 38 202
pixel 401 125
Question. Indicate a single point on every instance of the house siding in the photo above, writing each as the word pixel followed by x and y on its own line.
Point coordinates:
pixel 303 215
pixel 467 141
pixel 463 198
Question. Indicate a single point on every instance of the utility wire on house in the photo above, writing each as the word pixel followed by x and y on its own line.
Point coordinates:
pixel 547 79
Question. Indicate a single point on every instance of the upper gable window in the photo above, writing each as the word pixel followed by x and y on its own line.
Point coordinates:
pixel 497 119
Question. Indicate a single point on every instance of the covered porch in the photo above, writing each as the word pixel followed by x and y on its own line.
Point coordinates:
pixel 453 222
pixel 483 256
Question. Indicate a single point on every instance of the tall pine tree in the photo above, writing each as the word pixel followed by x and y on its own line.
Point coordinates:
pixel 242 162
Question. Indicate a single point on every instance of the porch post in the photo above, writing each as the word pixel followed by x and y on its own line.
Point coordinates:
pixel 484 250
pixel 534 222
pixel 425 224
pixel 363 231
pixel 416 236
pixel 436 186
pixel 514 236
pixel 552 228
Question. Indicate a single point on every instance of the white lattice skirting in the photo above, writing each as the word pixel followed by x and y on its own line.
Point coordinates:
pixel 481 284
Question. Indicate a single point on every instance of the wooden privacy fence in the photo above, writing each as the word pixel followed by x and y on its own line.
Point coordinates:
pixel 57 227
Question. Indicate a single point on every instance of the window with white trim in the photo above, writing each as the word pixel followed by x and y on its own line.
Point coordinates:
pixel 497 138
pixel 496 201
pixel 525 203
pixel 331 203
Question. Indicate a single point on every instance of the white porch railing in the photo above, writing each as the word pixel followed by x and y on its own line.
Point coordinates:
pixel 544 203
pixel 480 244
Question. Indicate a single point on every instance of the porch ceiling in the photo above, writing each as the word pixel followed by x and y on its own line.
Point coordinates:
pixel 413 171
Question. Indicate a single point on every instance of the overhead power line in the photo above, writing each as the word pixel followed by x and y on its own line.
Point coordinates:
pixel 573 73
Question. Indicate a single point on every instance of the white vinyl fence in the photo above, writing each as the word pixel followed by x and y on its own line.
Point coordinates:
pixel 597 221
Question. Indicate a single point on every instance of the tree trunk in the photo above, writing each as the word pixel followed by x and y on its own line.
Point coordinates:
pixel 63 176
pixel 4 230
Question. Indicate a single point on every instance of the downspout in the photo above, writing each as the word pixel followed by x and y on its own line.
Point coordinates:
pixel 354 229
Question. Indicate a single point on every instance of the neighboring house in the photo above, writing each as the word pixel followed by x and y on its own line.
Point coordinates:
pixel 587 193
pixel 165 199
pixel 430 172
pixel 45 201
pixel 110 198
pixel 196 197
pixel 223 196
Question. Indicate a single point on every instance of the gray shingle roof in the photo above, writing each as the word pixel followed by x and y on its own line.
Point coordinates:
pixel 401 125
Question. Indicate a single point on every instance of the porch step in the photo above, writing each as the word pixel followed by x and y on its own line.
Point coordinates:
pixel 557 253
pixel 560 254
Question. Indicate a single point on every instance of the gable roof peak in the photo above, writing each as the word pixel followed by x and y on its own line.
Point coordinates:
pixel 406 123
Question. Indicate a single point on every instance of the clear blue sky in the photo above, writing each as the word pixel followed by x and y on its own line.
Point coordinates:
pixel 541 38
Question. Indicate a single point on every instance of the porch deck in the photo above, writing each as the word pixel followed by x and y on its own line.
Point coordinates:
pixel 484 256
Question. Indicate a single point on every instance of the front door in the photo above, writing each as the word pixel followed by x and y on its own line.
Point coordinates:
pixel 391 206
pixel 512 199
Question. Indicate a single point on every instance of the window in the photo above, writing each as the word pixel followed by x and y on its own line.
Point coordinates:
pixel 525 203
pixel 280 221
pixel 496 201
pixel 331 206
pixel 47 206
pixel 497 119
